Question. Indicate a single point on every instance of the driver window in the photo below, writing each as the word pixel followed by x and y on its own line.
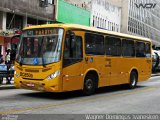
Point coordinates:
pixel 75 54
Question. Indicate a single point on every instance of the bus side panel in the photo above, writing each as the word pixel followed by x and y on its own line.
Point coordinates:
pixel 118 75
pixel 100 64
pixel 140 64
pixel 72 77
pixel 121 68
pixel 144 69
pixel 127 65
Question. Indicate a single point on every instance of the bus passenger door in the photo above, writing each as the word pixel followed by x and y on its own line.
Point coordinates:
pixel 113 52
pixel 73 63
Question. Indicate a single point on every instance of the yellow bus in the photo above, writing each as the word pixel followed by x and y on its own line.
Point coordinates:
pixel 68 57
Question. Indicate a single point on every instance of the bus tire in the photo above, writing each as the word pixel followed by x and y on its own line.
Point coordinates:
pixel 89 87
pixel 1 80
pixel 133 80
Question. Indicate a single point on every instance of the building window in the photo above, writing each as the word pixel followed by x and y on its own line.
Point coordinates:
pixel 50 1
pixel 31 21
pixel 117 28
pixel 93 21
pixel 14 21
pixel 98 22
pixel 112 27
pixel 105 24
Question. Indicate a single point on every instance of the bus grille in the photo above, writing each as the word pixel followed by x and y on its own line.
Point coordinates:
pixel 29 70
pixel 33 79
pixel 45 70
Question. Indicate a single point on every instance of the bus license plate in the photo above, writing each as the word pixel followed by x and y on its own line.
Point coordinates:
pixel 30 85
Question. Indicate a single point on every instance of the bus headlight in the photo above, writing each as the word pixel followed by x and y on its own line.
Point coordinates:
pixel 54 75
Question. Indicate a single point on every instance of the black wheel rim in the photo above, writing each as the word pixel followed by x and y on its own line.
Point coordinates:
pixel 133 80
pixel 89 84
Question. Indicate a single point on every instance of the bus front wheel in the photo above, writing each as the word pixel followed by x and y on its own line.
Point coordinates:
pixel 89 85
pixel 133 80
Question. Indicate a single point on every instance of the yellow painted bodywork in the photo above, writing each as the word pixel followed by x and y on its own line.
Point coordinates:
pixel 39 78
pixel 110 70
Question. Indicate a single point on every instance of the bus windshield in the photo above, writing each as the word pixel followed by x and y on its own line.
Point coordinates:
pixel 40 46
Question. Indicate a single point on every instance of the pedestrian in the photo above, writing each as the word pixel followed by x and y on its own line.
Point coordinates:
pixel 1 59
pixel 8 64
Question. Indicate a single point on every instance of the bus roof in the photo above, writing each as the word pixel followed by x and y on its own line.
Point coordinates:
pixel 81 27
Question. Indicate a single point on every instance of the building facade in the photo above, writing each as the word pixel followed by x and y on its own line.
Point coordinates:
pixel 141 18
pixel 70 13
pixel 144 21
pixel 17 14
pixel 85 4
pixel 105 15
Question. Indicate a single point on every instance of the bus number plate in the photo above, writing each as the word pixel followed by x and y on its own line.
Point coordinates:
pixel 26 75
pixel 30 85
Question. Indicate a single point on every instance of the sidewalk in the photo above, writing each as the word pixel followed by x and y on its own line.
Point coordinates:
pixel 5 86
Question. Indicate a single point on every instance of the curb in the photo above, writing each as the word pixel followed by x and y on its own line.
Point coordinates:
pixel 4 87
pixel 154 75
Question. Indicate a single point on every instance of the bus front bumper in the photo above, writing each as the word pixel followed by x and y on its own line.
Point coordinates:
pixel 45 85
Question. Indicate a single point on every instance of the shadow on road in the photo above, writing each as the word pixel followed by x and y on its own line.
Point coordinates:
pixel 77 94
pixel 117 88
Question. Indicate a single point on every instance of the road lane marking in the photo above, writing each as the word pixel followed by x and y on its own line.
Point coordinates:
pixel 14 111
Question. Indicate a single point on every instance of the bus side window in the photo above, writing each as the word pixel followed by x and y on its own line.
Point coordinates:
pixel 128 49
pixel 94 44
pixel 140 49
pixel 148 50
pixel 113 46
pixel 77 50
pixel 73 55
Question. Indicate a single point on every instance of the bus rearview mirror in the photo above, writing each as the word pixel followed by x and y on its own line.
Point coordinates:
pixel 70 42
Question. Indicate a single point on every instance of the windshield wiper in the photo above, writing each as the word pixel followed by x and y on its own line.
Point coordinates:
pixel 22 56
pixel 21 61
pixel 43 63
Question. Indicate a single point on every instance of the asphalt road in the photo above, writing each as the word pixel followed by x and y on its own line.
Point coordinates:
pixel 144 99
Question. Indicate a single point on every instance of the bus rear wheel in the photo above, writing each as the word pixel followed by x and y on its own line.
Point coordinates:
pixel 89 87
pixel 133 80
